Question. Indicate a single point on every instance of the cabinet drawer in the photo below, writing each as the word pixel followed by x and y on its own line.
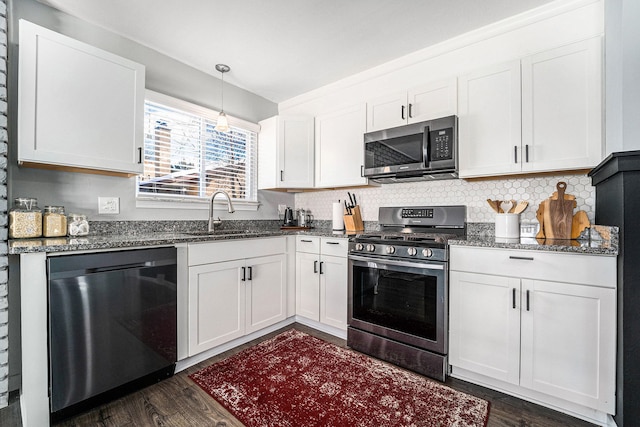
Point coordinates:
pixel 309 244
pixel 334 247
pixel 592 270
pixel 206 253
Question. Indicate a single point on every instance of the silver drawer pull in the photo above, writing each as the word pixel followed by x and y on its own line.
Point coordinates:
pixel 307 241
pixel 525 258
pixel 332 243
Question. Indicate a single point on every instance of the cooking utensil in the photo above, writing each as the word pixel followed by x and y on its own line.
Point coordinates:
pixel 507 205
pixel 493 205
pixel 520 207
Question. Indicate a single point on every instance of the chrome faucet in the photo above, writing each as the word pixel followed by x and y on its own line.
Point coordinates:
pixel 213 223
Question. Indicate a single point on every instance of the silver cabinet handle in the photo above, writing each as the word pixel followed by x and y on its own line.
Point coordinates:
pixel 306 241
pixel 332 243
pixel 524 258
pixel 514 297
pixel 515 154
pixel 527 300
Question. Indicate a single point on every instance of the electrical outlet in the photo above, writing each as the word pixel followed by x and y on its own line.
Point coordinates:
pixel 281 209
pixel 108 205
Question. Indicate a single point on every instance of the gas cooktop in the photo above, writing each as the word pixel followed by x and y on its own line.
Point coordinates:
pixel 415 233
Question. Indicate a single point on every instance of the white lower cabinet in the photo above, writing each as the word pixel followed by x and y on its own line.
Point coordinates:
pixel 542 322
pixel 231 298
pixel 321 280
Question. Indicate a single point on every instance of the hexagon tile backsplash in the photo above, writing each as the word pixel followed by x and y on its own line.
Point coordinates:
pixel 473 194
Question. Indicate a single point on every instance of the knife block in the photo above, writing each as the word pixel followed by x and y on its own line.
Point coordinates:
pixel 353 222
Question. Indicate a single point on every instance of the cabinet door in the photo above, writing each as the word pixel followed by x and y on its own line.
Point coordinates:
pixel 296 152
pixel 433 100
pixel 387 111
pixel 562 107
pixel 569 341
pixel 78 106
pixel 286 152
pixel 484 324
pixel 340 147
pixel 216 305
pixel 333 291
pixel 266 291
pixel 307 286
pixel 489 124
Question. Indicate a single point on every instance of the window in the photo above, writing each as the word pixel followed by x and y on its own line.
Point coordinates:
pixel 185 159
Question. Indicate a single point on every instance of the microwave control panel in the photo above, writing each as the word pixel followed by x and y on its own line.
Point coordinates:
pixel 441 144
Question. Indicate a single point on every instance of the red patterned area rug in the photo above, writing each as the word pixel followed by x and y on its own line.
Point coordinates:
pixel 296 380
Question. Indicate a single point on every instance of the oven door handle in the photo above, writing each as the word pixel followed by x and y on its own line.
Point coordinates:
pixel 428 266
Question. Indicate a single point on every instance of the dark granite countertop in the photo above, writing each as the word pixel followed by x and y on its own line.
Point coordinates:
pixel 124 241
pixel 600 240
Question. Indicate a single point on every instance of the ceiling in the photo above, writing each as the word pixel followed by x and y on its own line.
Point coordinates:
pixel 279 49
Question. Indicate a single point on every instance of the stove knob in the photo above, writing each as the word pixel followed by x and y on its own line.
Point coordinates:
pixel 371 248
pixel 427 253
pixel 359 246
pixel 412 251
pixel 390 250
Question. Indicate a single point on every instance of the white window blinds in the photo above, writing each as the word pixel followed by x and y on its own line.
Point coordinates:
pixel 186 159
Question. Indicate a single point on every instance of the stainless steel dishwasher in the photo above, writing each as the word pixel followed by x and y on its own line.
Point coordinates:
pixel 112 325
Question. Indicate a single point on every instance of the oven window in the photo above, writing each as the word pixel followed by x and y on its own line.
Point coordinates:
pixel 397 300
pixel 394 151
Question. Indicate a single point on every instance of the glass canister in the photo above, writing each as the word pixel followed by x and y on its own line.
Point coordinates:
pixel 54 222
pixel 77 225
pixel 25 219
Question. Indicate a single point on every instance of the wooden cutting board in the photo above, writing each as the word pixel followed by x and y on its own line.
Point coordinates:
pixel 558 215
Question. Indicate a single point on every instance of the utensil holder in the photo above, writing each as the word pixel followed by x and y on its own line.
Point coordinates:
pixel 507 225
pixel 353 222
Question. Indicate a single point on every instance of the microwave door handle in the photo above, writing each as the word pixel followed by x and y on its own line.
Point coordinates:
pixel 426 148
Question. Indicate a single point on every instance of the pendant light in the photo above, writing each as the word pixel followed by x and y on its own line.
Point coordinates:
pixel 222 125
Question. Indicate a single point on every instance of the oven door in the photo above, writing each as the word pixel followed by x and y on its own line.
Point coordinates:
pixel 400 300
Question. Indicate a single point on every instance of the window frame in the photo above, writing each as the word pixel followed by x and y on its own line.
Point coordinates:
pixel 147 200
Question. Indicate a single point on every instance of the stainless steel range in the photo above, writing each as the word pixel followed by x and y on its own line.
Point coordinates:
pixel 398 287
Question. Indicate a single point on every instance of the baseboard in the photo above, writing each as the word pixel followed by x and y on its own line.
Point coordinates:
pixel 573 409
pixel 183 364
pixel 336 332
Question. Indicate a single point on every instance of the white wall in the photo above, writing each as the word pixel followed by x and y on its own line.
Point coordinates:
pixel 79 192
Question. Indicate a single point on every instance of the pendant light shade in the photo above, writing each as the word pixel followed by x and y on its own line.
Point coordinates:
pixel 222 124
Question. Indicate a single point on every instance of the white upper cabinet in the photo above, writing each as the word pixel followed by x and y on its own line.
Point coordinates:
pixel 79 106
pixel 489 123
pixel 286 152
pixel 429 101
pixel 562 107
pixel 340 147
pixel 540 114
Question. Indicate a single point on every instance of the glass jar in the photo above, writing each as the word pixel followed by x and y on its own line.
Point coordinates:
pixel 77 225
pixel 54 222
pixel 25 219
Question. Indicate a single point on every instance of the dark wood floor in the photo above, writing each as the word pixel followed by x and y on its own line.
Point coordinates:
pixel 178 401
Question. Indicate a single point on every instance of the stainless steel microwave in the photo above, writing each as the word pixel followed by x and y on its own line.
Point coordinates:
pixel 424 150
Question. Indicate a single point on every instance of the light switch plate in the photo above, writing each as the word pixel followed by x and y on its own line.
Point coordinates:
pixel 108 205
